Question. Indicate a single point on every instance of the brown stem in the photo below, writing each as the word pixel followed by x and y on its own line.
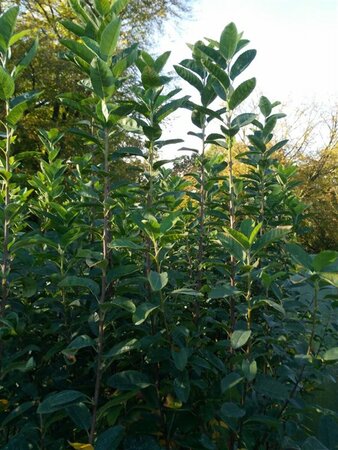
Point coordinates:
pixel 104 286
pixel 314 319
pixel 232 218
pixel 6 227
pixel 201 243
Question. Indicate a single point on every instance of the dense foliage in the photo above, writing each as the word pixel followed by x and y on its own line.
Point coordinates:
pixel 163 310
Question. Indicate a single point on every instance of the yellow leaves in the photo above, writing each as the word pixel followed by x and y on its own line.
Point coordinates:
pixel 79 446
pixel 3 404
pixel 172 403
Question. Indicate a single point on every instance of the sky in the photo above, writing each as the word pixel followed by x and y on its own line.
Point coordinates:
pixel 296 43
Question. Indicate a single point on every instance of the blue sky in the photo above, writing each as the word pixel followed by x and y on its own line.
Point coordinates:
pixel 296 41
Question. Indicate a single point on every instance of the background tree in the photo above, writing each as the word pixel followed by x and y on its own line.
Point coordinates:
pixel 54 75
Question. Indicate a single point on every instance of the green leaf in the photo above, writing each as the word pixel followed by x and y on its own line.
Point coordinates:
pixel 125 243
pixel 180 357
pixel 242 62
pixel 242 120
pixel 223 291
pixel 79 49
pixel 110 438
pixel 17 36
pixel 265 106
pixel 218 73
pixel 331 354
pixel 74 281
pixel 187 291
pixel 169 108
pixel 150 78
pixel 229 40
pixel 103 6
pixel 182 387
pixel 270 387
pixel 81 342
pixel 129 380
pixel 142 312
pixel 330 277
pixel 231 410
pixel 312 443
pixel 190 77
pixel 73 27
pixel 60 400
pixel 241 93
pixel 324 259
pixel 17 412
pixel 7 86
pixel 249 369
pixel 102 79
pixel 109 38
pixel 240 338
pixel 233 246
pixel 230 381
pixel 7 26
pixel 158 280
pixel 27 59
pixel 119 6
pixel 254 233
pixel 161 61
pixel 80 415
pixel 276 234
pixel 300 255
pixel 239 237
pixel 121 348
pixel 278 307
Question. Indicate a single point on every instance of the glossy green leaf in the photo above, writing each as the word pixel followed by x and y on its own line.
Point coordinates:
pixel 242 120
pixel 60 400
pixel 331 354
pixel 7 26
pixel 157 280
pixel 80 415
pixel 180 357
pixel 229 40
pixel 273 235
pixel 102 79
pixel 121 348
pixel 241 93
pixel 110 438
pixel 142 312
pixel 74 281
pixel 223 291
pixel 300 256
pixel 242 62
pixel 270 387
pixel 249 369
pixel 109 38
pixel 240 338
pixel 230 409
pixel 265 106
pixel 324 259
pixel 218 73
pixel 82 341
pixel 190 77
pixel 230 381
pixel 312 443
pixel 7 86
pixel 129 380
pixel 27 59
pixel 118 6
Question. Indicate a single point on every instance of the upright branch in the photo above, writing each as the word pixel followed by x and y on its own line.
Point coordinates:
pixel 14 108
pixel 95 52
